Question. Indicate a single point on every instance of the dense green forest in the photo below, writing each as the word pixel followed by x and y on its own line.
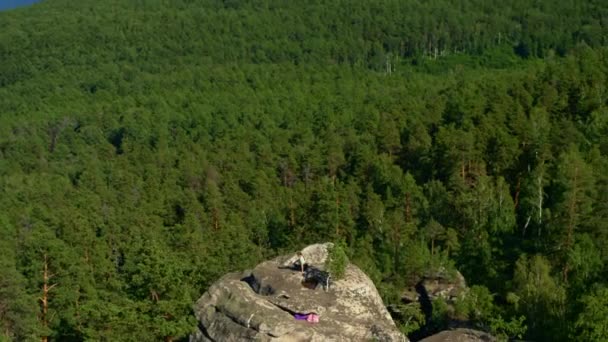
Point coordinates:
pixel 147 147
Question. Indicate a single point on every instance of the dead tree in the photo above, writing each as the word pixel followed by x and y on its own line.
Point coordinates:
pixel 44 300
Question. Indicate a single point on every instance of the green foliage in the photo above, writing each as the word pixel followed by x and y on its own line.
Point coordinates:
pixel 440 315
pixel 337 260
pixel 412 318
pixel 149 147
pixel 540 298
pixel 507 330
pixel 478 307
pixel 18 315
pixel 592 322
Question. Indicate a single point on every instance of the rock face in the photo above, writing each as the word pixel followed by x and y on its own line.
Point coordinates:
pixel 460 335
pixel 260 305
pixel 448 286
pixel 442 285
pixel 439 285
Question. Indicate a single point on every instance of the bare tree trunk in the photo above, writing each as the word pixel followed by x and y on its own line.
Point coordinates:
pixel 526 225
pixel 46 288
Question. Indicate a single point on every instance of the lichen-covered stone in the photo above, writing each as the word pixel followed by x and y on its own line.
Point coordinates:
pixel 259 306
pixel 460 335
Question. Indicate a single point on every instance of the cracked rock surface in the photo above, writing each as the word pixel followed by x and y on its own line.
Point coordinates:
pixel 460 335
pixel 259 305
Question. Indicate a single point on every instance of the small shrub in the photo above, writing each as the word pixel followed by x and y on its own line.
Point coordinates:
pixel 412 318
pixel 440 315
pixel 336 261
pixel 507 330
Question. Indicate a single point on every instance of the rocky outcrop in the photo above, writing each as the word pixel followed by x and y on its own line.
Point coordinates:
pixel 449 287
pixel 460 335
pixel 443 285
pixel 260 305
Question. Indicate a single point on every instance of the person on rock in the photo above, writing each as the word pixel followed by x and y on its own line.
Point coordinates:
pixel 300 262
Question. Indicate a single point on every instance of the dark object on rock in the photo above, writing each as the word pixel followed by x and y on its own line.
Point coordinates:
pixel 313 275
pixel 265 290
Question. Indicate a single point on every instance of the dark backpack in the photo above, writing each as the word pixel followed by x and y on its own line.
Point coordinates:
pixel 316 276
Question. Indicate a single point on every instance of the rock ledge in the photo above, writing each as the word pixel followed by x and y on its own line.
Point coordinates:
pixel 260 305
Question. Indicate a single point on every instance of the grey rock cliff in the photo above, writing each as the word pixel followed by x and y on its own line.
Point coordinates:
pixel 460 335
pixel 441 285
pixel 260 305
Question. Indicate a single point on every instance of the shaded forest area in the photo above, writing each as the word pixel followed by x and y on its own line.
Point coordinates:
pixel 147 147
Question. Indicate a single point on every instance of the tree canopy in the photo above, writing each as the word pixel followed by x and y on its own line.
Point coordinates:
pixel 147 147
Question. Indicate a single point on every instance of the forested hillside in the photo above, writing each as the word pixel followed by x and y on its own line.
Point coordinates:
pixel 147 147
